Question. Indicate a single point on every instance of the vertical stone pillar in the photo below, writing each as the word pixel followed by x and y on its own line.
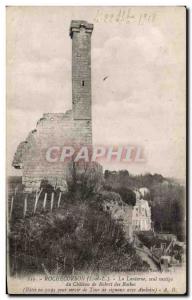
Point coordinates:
pixel 80 32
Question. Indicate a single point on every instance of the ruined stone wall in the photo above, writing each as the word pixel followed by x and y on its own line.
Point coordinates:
pixel 53 129
pixel 120 211
pixel 128 221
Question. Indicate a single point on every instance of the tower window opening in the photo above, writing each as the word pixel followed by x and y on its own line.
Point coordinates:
pixel 82 82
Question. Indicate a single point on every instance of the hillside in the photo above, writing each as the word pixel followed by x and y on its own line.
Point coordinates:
pixel 78 236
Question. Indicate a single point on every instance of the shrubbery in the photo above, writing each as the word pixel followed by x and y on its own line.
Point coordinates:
pixel 79 236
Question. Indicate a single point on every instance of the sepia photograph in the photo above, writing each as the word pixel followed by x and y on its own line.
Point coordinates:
pixel 96 150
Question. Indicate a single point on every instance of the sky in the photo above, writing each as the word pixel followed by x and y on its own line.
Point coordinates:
pixel 141 50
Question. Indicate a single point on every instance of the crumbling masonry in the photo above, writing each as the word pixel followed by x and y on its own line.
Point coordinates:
pixel 71 128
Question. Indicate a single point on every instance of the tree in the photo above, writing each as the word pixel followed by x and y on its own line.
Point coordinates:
pixel 106 174
pixel 127 195
pixel 84 179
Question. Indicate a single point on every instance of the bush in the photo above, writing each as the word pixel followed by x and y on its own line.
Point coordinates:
pixel 84 179
pixel 127 195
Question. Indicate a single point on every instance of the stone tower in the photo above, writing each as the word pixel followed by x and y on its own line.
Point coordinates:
pixel 80 32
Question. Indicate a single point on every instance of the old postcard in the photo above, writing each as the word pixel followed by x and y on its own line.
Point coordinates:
pixel 96 150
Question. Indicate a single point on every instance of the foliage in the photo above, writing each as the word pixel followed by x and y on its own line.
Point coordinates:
pixel 127 195
pixel 167 198
pixel 84 179
pixel 80 236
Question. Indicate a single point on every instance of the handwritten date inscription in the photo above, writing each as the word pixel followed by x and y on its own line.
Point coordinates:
pixel 124 16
